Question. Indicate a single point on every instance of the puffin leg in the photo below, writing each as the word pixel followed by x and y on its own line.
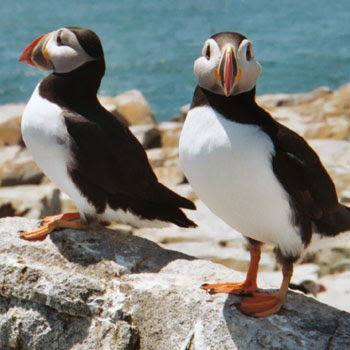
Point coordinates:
pixel 249 285
pixel 52 222
pixel 262 304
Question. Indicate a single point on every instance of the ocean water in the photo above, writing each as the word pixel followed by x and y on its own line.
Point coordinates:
pixel 151 45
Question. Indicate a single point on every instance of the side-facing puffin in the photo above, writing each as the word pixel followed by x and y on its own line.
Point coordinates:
pixel 82 147
pixel 257 175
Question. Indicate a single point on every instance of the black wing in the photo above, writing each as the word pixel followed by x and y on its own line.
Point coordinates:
pixel 109 159
pixel 307 182
pixel 301 172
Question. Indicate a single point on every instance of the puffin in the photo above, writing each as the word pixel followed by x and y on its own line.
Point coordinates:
pixel 257 175
pixel 84 149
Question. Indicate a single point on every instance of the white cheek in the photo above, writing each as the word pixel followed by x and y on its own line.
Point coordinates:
pixel 251 74
pixel 66 58
pixel 205 71
pixel 251 70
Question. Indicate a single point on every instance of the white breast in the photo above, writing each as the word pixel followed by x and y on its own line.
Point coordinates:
pixel 229 166
pixel 45 135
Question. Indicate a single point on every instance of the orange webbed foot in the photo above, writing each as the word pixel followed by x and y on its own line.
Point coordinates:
pixel 260 304
pixel 52 222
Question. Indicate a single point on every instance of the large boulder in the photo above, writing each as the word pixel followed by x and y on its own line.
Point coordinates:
pixel 103 289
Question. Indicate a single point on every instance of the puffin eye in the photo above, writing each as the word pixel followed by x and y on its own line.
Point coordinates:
pixel 250 54
pixel 207 53
pixel 59 40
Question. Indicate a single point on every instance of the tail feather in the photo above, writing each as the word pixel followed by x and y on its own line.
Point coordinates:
pixel 167 214
pixel 180 219
pixel 334 223
pixel 168 204
pixel 167 197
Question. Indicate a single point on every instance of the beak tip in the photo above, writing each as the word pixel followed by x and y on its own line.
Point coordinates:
pixel 26 56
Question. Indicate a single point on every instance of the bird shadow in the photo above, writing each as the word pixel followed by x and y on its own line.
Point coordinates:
pixel 133 253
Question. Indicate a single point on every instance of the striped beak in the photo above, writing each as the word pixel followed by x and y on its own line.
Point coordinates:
pixel 36 54
pixel 228 70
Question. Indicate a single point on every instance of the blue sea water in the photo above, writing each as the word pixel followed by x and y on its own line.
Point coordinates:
pixel 151 45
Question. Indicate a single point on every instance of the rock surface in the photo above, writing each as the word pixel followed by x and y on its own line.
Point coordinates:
pixel 103 289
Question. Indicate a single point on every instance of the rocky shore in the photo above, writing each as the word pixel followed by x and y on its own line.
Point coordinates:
pixel 139 288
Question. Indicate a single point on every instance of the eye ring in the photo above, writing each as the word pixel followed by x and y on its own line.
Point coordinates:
pixel 207 53
pixel 249 53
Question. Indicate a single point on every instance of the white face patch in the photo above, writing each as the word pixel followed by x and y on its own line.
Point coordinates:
pixel 250 68
pixel 64 51
pixel 205 66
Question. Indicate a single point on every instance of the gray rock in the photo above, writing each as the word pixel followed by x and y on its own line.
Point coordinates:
pixel 17 167
pixel 31 201
pixel 102 289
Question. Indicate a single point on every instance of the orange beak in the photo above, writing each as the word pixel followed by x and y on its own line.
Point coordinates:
pixel 228 70
pixel 35 53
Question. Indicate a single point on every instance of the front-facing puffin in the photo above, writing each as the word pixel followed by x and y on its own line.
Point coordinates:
pixel 254 173
pixel 82 147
